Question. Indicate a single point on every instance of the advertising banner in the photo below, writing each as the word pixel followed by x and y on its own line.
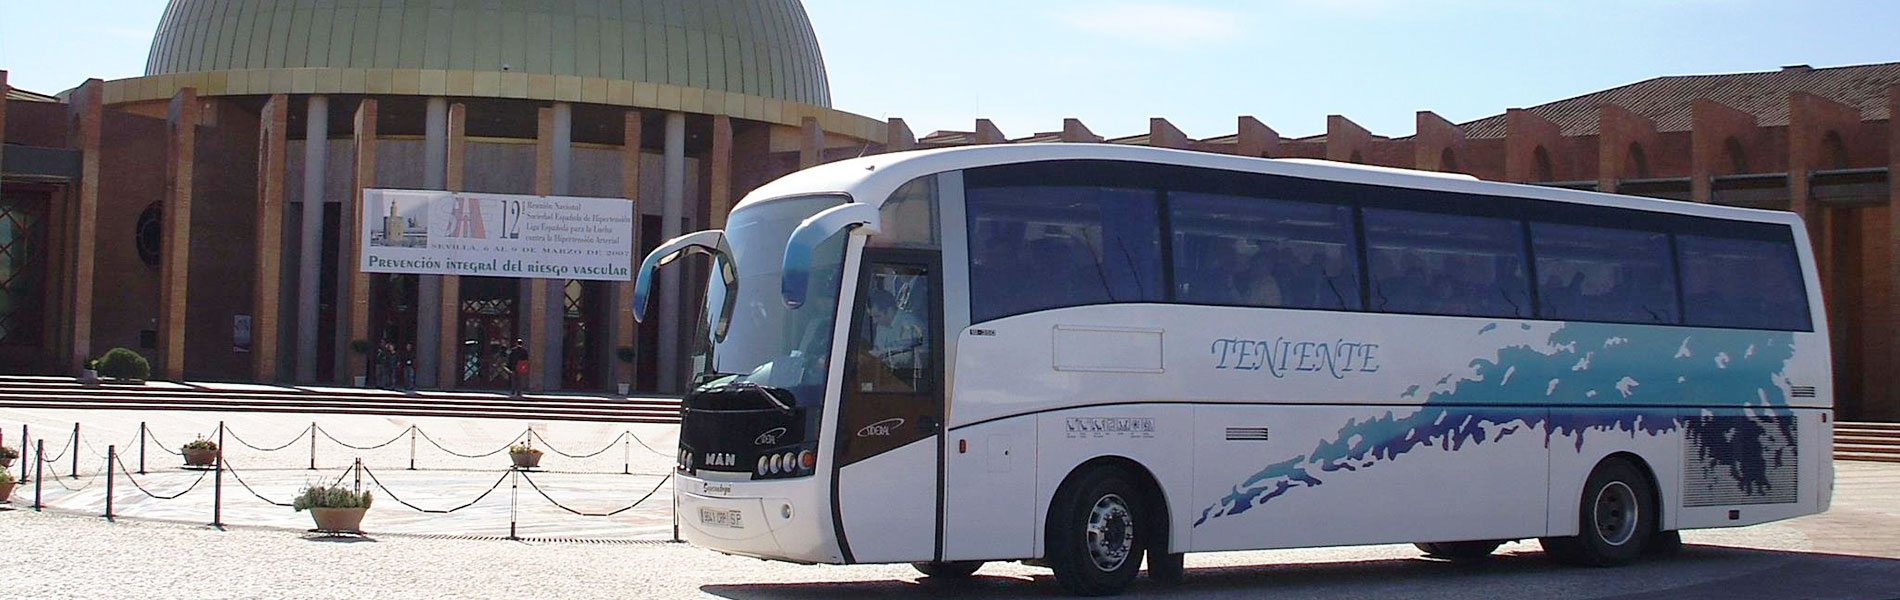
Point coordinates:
pixel 497 235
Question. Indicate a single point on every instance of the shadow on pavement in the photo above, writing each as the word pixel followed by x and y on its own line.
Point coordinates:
pixel 1698 572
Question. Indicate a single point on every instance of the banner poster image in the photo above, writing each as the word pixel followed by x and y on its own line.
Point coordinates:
pixel 497 235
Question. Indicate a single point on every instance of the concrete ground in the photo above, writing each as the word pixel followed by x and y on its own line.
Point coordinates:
pixel 1852 551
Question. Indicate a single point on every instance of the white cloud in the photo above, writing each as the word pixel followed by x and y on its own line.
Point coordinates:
pixel 1159 24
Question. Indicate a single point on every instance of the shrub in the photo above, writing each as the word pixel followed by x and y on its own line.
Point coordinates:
pixel 200 444
pixel 9 453
pixel 323 496
pixel 6 477
pixel 521 448
pixel 123 363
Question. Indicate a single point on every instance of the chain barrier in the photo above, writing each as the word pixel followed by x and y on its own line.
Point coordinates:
pixel 294 440
pixel 247 487
pixel 557 503
pixel 550 447
pixel 161 445
pixel 439 446
pixel 61 480
pixel 393 440
pixel 63 448
pixel 392 495
pixel 141 488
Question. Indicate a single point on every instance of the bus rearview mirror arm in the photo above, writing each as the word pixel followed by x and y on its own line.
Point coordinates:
pixel 711 242
pixel 814 230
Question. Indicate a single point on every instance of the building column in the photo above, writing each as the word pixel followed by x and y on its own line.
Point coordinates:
pixel 1163 134
pixel 181 143
pixel 435 147
pixel 898 137
pixel 316 141
pixel 449 298
pixel 1073 131
pixel 1711 124
pixel 270 237
pixel 811 142
pixel 672 212
pixel 553 343
pixel 1253 138
pixel 626 330
pixel 1888 407
pixel 350 246
pixel 1623 137
pixel 534 303
pixel 89 103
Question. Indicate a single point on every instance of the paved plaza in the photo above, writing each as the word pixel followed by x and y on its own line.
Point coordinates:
pixel 163 550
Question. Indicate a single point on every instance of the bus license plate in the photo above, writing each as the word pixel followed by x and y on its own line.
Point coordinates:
pixel 721 518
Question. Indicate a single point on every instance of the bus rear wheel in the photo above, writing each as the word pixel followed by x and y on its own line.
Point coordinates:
pixel 1092 543
pixel 1472 550
pixel 958 569
pixel 1616 519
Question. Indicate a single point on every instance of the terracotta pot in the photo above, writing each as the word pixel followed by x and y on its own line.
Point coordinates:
pixel 348 520
pixel 526 460
pixel 6 462
pixel 201 458
pixel 6 491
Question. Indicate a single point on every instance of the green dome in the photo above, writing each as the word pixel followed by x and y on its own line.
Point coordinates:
pixel 754 47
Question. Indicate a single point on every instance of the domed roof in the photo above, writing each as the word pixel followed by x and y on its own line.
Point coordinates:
pixel 754 47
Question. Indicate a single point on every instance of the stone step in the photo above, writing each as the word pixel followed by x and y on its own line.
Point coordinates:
pixel 1867 449
pixel 1891 458
pixel 157 394
pixel 1867 425
pixel 1866 439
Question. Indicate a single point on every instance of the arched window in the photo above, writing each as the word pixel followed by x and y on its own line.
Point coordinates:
pixel 1541 159
pixel 1447 161
pixel 1734 156
pixel 1635 163
pixel 1833 152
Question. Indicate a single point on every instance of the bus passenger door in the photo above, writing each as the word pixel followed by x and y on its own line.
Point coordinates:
pixel 890 420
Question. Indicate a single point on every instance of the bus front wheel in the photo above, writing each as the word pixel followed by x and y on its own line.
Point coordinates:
pixel 1617 518
pixel 1092 544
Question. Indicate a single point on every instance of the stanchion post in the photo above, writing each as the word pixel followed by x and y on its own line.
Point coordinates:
pixel 412 447
pixel 75 450
pixel 23 441
pixel 141 447
pixel 112 454
pixel 358 468
pixel 626 453
pixel 514 495
pixel 217 483
pixel 313 445
pixel 39 459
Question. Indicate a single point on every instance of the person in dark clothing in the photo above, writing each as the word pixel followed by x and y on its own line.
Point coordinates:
pixel 518 367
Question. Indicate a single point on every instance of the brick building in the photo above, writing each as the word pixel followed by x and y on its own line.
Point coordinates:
pixel 683 107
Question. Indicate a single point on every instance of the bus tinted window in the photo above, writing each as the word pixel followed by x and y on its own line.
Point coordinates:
pixel 1262 252
pixel 1604 274
pixel 1040 247
pixel 1446 264
pixel 1741 283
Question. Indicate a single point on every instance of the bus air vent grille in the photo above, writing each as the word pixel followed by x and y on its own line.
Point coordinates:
pixel 1801 391
pixel 1253 434
pixel 1734 460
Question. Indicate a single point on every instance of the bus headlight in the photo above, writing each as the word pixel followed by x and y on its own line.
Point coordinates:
pixel 763 462
pixel 790 461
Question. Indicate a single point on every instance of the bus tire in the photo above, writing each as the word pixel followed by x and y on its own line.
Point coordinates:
pixel 956 569
pixel 1616 519
pixel 1165 567
pixel 1665 543
pixel 1472 550
pixel 1091 532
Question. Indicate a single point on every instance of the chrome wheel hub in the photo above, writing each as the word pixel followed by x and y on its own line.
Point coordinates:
pixel 1616 513
pixel 1111 532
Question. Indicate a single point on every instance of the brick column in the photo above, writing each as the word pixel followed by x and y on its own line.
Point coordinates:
pixel 1346 141
pixel 271 143
pixel 1438 143
pixel 181 143
pixel 449 329
pixel 1810 119
pixel 811 143
pixel 625 328
pixel 1073 131
pixel 534 319
pixel 1888 407
pixel 1524 133
pixel 350 246
pixel 1621 134
pixel 1711 124
pixel 1162 134
pixel 898 137
pixel 988 133
pixel 719 185
pixel 88 102
pixel 1253 138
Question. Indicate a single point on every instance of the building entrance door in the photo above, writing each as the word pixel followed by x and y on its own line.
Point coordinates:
pixel 489 328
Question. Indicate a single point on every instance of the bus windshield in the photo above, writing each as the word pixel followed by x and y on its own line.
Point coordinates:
pixel 769 344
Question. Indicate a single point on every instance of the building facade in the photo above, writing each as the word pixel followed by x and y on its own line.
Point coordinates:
pixel 259 122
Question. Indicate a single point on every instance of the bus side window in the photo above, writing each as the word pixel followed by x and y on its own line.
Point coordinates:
pixel 1246 251
pixel 1434 263
pixel 1604 274
pixel 1041 247
pixel 1741 283
pixel 895 345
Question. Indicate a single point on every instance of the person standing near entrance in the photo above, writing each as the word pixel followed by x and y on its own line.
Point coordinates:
pixel 518 367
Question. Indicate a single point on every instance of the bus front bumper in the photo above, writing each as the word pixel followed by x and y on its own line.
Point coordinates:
pixel 744 519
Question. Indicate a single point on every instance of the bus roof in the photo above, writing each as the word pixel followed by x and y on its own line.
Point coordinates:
pixel 873 178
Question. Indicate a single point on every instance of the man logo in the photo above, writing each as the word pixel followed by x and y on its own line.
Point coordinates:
pixel 769 438
pixel 721 459
pixel 881 428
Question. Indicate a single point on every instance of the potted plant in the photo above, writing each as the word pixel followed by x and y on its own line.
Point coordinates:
pixel 7 455
pixel 6 487
pixel 335 508
pixel 626 354
pixel 524 455
pixel 123 364
pixel 362 347
pixel 89 376
pixel 200 453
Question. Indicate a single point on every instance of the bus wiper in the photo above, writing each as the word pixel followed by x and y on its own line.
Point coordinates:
pixel 1515 312
pixel 753 387
pixel 1335 288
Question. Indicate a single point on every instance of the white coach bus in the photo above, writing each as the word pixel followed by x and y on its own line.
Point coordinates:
pixel 1082 355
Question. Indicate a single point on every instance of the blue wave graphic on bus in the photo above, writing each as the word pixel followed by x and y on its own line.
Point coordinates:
pixel 1616 367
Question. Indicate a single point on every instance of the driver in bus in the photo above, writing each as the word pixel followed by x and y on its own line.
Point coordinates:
pixel 893 346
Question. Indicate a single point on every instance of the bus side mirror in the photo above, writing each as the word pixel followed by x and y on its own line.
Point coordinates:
pixel 814 231
pixel 711 241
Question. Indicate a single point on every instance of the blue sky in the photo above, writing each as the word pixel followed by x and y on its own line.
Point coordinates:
pixel 1115 63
